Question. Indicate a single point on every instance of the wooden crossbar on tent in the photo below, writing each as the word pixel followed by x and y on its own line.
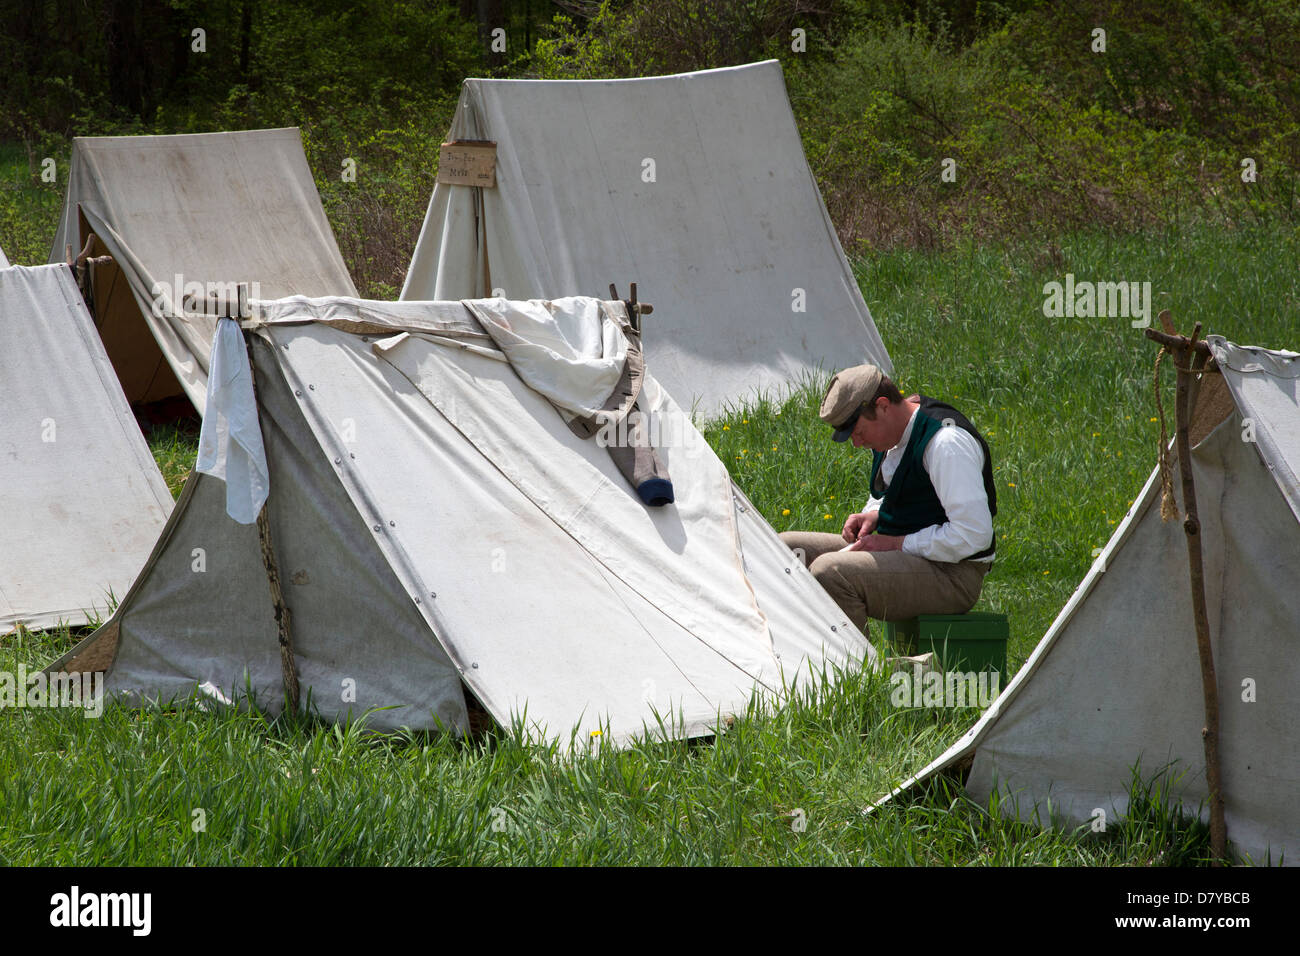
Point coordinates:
pixel 1192 358
pixel 635 309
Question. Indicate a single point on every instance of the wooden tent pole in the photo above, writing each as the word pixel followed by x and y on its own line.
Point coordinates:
pixel 283 622
pixel 1189 361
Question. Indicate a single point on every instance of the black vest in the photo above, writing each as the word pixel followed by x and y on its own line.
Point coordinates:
pixel 910 503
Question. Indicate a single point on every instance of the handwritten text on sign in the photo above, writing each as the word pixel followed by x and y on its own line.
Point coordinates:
pixel 468 164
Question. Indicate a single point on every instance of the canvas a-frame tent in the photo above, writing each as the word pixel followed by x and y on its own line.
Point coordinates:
pixel 435 522
pixel 1116 681
pixel 84 501
pixel 730 240
pixel 215 209
pixel 4 263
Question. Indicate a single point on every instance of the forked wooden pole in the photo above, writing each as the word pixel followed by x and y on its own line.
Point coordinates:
pixel 1190 357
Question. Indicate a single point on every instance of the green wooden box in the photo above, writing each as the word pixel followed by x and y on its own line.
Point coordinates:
pixel 962 642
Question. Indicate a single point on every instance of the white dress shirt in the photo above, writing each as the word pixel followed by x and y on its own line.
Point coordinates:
pixel 955 463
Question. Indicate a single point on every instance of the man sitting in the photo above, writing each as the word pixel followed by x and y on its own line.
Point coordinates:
pixel 924 541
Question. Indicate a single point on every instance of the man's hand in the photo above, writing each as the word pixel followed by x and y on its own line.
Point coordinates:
pixel 860 526
pixel 877 542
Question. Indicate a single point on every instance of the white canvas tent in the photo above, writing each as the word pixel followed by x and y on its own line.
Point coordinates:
pixel 436 521
pixel 84 501
pixel 1116 683
pixel 731 240
pixel 4 263
pixel 213 209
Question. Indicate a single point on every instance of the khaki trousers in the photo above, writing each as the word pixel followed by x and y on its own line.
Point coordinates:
pixel 887 585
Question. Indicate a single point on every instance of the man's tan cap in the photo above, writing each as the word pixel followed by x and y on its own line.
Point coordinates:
pixel 848 392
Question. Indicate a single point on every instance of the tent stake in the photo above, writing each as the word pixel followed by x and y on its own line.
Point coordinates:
pixel 1185 349
pixel 288 665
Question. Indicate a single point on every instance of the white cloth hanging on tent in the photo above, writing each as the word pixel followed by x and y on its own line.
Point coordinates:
pixel 564 348
pixel 230 442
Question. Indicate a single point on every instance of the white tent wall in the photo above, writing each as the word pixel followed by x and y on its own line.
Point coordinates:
pixel 221 208
pixel 1115 683
pixel 4 263
pixel 727 242
pixel 84 500
pixel 201 613
pixel 655 612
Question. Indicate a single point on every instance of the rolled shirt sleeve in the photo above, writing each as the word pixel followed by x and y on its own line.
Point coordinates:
pixel 955 463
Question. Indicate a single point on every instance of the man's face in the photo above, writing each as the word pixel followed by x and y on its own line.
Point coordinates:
pixel 877 433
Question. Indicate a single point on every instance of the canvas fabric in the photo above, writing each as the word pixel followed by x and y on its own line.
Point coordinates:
pixel 731 242
pixel 83 499
pixel 227 208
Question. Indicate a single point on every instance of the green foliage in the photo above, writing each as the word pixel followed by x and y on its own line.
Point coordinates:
pixel 899 104
pixel 1046 135
pixel 29 208
pixel 672 36
pixel 377 216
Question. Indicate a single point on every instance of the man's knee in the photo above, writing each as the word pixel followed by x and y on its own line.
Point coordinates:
pixel 822 567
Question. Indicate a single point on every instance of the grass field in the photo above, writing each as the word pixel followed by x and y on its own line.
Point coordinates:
pixel 1067 407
